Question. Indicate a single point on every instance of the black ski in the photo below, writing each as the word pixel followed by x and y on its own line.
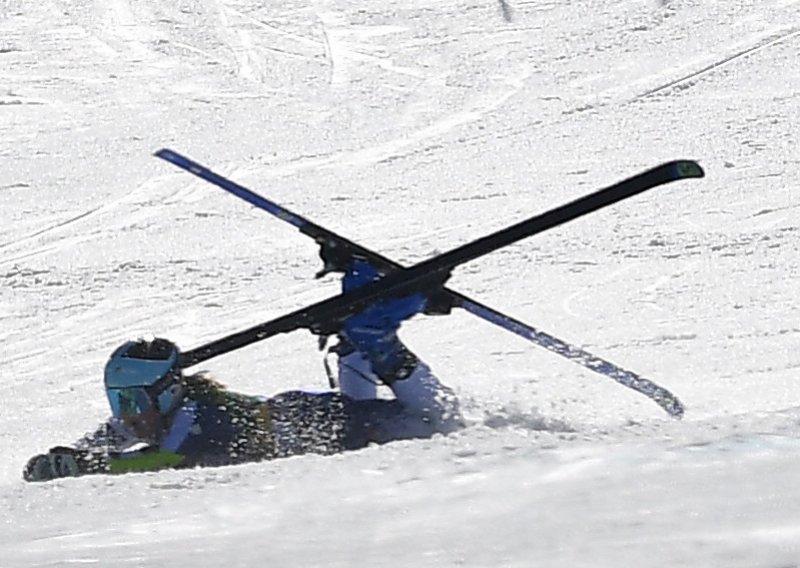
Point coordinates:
pixel 324 317
pixel 321 235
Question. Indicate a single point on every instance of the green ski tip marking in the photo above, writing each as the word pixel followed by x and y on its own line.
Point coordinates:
pixel 690 169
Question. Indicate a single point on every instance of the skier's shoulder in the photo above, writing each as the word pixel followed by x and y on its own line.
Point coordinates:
pixel 215 425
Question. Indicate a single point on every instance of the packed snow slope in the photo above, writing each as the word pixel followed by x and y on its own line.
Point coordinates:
pixel 412 127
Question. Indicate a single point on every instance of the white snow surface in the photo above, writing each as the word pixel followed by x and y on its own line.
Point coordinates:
pixel 412 127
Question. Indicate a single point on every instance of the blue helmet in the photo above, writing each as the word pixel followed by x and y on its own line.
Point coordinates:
pixel 141 374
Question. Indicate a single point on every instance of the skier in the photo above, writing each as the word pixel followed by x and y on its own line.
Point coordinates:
pixel 162 418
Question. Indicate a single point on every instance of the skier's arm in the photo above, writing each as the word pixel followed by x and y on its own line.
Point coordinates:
pixel 89 454
pixel 109 449
pixel 63 461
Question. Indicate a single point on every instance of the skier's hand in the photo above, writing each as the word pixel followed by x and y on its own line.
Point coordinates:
pixel 58 462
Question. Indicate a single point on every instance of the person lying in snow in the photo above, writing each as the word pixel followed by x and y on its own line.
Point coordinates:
pixel 162 418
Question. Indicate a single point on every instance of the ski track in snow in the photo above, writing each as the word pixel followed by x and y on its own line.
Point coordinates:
pixel 137 206
pixel 118 24
pixel 412 127
pixel 772 38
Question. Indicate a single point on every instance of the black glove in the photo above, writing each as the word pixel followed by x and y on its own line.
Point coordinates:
pixel 62 462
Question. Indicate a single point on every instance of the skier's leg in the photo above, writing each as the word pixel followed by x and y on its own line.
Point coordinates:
pixel 356 378
pixel 411 380
pixel 373 333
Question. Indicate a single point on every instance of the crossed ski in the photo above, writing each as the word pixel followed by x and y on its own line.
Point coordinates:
pixel 429 276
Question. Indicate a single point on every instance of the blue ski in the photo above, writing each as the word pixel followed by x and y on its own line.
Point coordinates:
pixel 677 170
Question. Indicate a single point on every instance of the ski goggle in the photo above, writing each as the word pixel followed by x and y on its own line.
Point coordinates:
pixel 129 400
pixel 142 375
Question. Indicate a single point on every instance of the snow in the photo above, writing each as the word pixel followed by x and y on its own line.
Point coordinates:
pixel 412 127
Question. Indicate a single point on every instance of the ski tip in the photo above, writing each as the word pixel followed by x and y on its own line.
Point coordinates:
pixel 179 160
pixel 673 406
pixel 689 169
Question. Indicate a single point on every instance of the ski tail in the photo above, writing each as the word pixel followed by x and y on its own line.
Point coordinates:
pixel 660 395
